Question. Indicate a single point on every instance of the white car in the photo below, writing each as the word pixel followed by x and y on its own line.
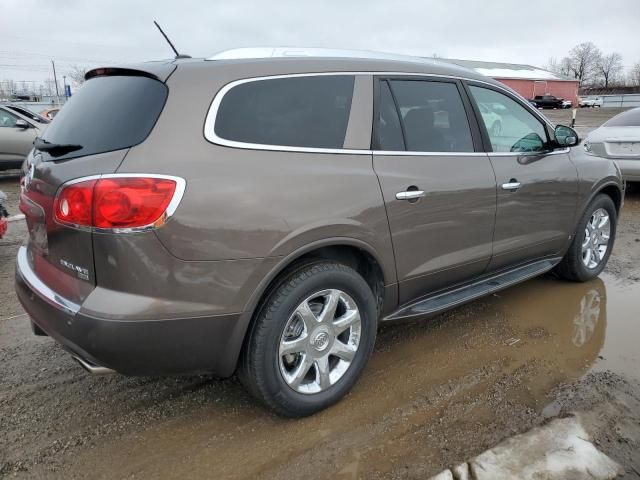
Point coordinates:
pixel 492 119
pixel 590 102
pixel 566 104
pixel 619 139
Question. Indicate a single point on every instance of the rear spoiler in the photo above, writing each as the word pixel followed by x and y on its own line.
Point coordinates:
pixel 156 70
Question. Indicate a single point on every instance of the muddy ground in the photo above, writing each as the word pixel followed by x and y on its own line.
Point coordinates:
pixel 435 393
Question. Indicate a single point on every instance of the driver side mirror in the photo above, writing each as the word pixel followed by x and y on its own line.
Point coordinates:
pixel 566 136
pixel 22 124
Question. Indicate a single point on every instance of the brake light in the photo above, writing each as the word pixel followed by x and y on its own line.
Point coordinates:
pixel 117 202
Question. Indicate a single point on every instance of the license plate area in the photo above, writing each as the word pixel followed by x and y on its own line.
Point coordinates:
pixel 624 149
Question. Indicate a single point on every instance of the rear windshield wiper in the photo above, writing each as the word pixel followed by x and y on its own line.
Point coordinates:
pixel 55 149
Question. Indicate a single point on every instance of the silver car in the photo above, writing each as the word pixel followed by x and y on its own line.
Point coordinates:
pixel 18 129
pixel 619 139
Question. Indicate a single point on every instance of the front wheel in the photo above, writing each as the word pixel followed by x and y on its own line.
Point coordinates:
pixel 311 339
pixel 592 243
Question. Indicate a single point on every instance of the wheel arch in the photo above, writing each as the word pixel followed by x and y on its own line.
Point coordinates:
pixel 350 251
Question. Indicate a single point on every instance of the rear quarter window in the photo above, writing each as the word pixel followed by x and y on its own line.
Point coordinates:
pixel 305 111
pixel 108 113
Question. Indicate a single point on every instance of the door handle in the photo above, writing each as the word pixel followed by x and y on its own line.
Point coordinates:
pixel 410 195
pixel 512 184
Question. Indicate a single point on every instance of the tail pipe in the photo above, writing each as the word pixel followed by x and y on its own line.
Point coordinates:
pixel 93 369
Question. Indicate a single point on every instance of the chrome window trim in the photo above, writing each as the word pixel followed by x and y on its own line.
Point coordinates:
pixel 429 154
pixel 181 186
pixel 39 287
pixel 541 153
pixel 210 120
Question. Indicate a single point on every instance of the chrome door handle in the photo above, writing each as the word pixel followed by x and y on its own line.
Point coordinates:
pixel 511 185
pixel 410 195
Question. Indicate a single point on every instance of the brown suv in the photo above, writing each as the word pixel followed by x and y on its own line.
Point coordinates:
pixel 264 213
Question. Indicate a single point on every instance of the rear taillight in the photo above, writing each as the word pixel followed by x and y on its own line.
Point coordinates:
pixel 118 202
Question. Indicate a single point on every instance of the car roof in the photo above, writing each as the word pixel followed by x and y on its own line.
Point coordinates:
pixel 291 60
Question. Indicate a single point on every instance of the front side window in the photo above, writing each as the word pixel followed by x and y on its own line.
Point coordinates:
pixel 306 111
pixel 7 120
pixel 432 116
pixel 511 127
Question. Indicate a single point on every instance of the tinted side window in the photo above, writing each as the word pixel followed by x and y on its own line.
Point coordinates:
pixel 6 119
pixel 511 127
pixel 433 116
pixel 388 128
pixel 308 111
pixel 108 113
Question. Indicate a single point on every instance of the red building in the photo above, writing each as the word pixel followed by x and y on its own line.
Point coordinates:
pixel 527 80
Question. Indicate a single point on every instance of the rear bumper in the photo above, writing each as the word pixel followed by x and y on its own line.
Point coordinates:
pixel 630 169
pixel 131 347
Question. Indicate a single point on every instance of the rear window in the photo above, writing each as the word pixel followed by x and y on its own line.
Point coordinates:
pixel 311 112
pixel 630 118
pixel 108 113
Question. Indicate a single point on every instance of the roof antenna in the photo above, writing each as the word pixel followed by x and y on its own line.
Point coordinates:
pixel 169 42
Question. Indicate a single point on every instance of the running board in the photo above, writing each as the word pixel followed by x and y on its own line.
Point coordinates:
pixel 445 300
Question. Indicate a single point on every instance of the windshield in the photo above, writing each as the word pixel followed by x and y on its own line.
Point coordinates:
pixel 106 114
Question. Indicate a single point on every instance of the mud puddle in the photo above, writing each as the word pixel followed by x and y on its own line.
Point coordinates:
pixel 469 377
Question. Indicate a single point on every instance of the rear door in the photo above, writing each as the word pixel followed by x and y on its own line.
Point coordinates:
pixel 91 136
pixel 439 188
pixel 537 183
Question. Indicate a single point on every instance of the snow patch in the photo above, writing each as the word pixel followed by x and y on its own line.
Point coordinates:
pixel 533 74
pixel 559 450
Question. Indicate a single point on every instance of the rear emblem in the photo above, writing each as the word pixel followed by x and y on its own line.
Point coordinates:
pixel 81 272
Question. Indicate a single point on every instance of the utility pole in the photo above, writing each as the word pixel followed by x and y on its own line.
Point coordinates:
pixel 55 79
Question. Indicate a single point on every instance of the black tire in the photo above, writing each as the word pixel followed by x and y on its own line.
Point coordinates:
pixel 259 368
pixel 572 267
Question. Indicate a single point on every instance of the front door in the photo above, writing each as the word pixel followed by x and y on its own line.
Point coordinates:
pixel 537 184
pixel 439 188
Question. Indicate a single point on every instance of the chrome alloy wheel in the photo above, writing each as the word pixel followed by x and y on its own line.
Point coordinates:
pixel 596 238
pixel 320 341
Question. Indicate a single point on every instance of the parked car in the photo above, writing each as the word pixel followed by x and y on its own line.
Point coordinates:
pixel 590 102
pixel 25 112
pixel 264 211
pixel 567 104
pixel 50 113
pixel 17 133
pixel 491 119
pixel 547 101
pixel 619 139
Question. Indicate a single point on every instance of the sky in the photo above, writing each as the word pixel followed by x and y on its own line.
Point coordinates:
pixel 91 33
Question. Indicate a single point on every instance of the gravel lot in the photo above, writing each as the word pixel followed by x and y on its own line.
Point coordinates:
pixel 435 393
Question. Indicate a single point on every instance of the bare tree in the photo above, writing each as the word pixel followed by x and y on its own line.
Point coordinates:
pixel 76 74
pixel 610 67
pixel 563 67
pixel 634 75
pixel 50 87
pixel 584 59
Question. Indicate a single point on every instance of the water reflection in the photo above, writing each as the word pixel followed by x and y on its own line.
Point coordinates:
pixel 585 321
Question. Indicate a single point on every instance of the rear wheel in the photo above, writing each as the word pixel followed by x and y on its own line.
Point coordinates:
pixel 591 246
pixel 311 339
